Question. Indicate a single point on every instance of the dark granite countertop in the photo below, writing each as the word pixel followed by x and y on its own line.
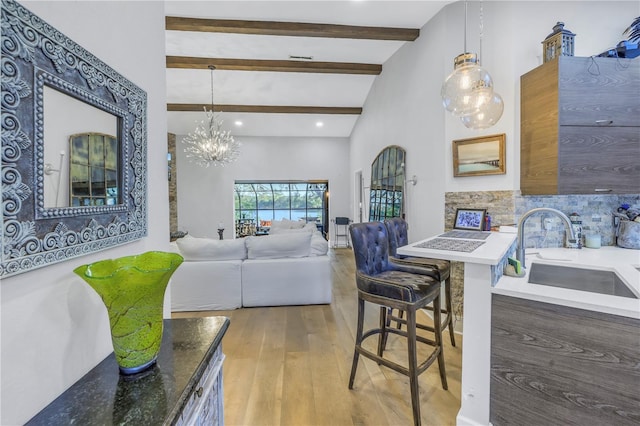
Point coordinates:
pixel 153 397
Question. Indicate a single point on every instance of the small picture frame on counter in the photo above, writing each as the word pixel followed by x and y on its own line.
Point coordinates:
pixel 469 219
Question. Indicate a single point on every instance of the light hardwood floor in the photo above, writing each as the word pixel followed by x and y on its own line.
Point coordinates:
pixel 290 365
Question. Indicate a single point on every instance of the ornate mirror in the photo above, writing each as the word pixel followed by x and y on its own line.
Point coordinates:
pixel 387 184
pixel 73 148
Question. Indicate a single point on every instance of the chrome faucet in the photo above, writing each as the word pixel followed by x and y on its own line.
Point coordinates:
pixel 523 219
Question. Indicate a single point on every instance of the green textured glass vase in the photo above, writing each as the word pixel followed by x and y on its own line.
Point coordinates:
pixel 132 288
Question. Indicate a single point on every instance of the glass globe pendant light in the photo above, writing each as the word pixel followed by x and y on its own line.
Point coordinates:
pixel 468 87
pixel 487 116
pixel 468 92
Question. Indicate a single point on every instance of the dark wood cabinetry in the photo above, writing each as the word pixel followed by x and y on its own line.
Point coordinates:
pixel 556 365
pixel 580 127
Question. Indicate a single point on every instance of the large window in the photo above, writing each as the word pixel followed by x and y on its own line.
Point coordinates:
pixel 259 203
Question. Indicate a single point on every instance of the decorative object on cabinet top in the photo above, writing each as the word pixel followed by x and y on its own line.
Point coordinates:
pixel 41 66
pixel 627 48
pixel 132 289
pixel 559 43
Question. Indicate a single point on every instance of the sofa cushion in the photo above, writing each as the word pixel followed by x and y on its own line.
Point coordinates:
pixel 279 246
pixel 286 224
pixel 319 246
pixel 202 249
pixel 309 227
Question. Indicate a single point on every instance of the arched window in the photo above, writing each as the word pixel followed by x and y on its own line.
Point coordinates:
pixel 387 184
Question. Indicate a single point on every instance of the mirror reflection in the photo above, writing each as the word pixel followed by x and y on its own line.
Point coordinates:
pixel 80 155
pixel 93 170
pixel 387 184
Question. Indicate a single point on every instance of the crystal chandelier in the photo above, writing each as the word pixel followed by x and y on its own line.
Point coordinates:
pixel 209 144
pixel 467 92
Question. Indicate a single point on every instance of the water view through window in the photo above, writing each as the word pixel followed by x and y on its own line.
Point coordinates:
pixel 257 204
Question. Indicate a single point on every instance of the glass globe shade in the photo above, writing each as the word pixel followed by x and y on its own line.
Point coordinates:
pixel 488 115
pixel 466 89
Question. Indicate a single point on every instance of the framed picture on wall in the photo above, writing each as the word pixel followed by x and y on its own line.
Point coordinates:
pixel 469 219
pixel 479 156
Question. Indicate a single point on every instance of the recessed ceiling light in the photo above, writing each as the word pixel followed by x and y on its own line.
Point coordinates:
pixel 238 123
pixel 319 124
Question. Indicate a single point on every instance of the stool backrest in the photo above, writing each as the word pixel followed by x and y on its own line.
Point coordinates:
pixel 370 246
pixel 398 231
pixel 342 220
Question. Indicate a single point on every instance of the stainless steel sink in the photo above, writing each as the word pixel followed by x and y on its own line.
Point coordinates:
pixel 591 280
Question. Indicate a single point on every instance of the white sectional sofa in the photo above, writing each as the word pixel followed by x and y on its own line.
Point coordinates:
pixel 290 267
pixel 288 281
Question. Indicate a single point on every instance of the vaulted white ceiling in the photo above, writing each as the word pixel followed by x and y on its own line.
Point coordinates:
pixel 286 89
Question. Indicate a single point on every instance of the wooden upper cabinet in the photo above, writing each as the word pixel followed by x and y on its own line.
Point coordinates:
pixel 580 127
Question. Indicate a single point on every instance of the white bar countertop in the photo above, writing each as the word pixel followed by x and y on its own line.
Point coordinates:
pixel 489 253
pixel 478 275
pixel 624 262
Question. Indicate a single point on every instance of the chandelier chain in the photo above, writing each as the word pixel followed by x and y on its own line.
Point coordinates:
pixel 211 67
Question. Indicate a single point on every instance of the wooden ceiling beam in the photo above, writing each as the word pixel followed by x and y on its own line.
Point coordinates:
pixel 268 109
pixel 292 29
pixel 187 62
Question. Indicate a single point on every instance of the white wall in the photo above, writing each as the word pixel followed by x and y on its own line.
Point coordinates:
pixel 403 108
pixel 54 326
pixel 205 195
pixel 404 105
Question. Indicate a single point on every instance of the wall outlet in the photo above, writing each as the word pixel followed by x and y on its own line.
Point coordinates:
pixel 547 223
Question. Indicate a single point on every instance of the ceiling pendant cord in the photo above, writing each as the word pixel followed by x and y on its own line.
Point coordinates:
pixel 467 92
pixel 480 58
pixel 492 106
pixel 465 27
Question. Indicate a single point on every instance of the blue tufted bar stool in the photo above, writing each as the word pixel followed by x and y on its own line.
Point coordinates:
pixel 393 286
pixel 437 268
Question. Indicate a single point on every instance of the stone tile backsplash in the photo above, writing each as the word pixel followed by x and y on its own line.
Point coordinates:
pixel 594 210
pixel 506 208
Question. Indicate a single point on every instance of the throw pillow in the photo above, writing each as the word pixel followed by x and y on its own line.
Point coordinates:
pixel 286 224
pixel 202 249
pixel 319 246
pixel 309 227
pixel 297 224
pixel 279 246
